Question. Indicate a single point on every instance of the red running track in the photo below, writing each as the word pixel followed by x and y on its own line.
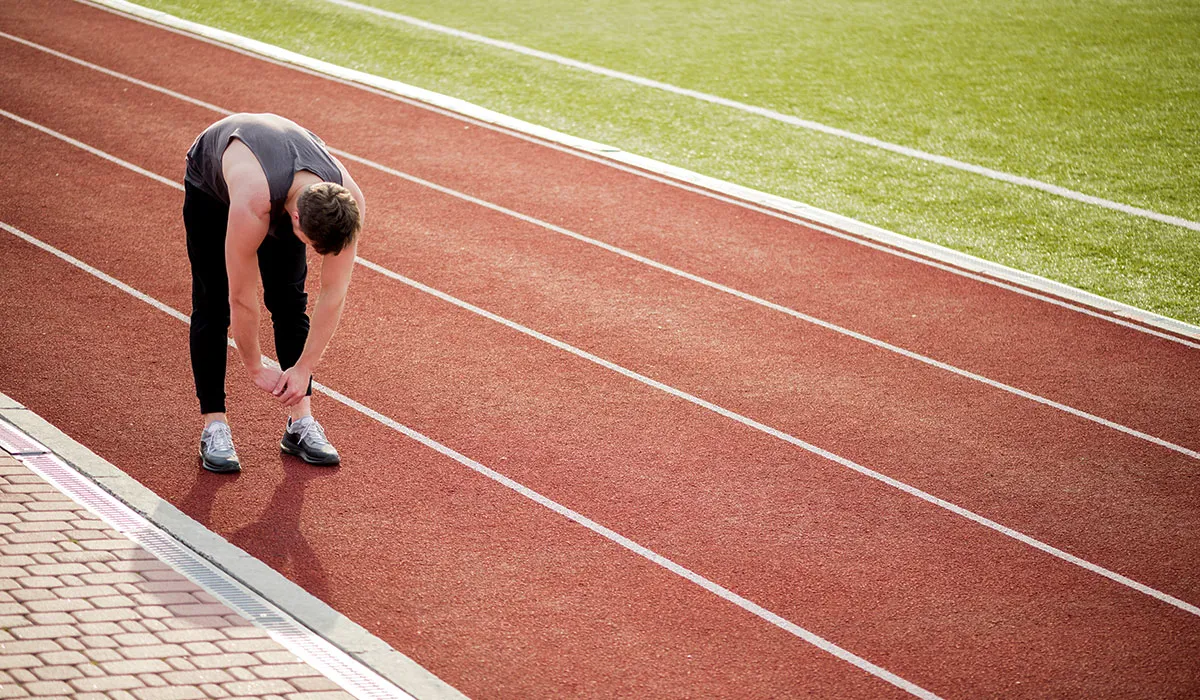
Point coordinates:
pixel 502 597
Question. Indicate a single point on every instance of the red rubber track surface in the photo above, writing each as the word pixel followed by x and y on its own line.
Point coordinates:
pixel 504 598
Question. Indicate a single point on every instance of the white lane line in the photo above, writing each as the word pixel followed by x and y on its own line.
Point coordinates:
pixel 760 426
pixel 97 273
pixel 779 434
pixel 785 310
pixel 790 210
pixel 114 74
pixel 641 259
pixel 780 117
pixel 94 151
pixel 943 259
pixel 615 537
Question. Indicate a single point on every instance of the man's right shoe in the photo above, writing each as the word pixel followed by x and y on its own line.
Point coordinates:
pixel 216 449
pixel 306 439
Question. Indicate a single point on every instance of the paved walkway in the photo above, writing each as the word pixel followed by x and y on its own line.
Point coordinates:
pixel 86 613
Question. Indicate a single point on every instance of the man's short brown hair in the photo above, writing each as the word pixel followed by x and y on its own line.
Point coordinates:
pixel 328 216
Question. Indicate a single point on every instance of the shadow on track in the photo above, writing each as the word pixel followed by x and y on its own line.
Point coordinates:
pixel 276 534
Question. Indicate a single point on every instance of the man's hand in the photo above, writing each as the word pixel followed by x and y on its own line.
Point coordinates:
pixel 266 378
pixel 292 385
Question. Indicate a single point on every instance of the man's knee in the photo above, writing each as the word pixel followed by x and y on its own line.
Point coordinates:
pixel 287 306
pixel 210 318
pixel 291 321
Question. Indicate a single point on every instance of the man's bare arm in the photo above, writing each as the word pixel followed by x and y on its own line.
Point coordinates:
pixel 335 281
pixel 249 217
pixel 241 261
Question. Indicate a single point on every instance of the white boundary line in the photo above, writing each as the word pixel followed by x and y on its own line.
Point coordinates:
pixel 777 116
pixel 628 544
pixel 583 354
pixel 605 246
pixel 849 229
pixel 354 677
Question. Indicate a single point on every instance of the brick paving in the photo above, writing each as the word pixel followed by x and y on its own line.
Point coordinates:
pixel 86 613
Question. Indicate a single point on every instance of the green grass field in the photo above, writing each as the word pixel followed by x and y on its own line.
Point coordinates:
pixel 1102 97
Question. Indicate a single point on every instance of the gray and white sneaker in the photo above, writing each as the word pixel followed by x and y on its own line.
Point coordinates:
pixel 216 449
pixel 306 439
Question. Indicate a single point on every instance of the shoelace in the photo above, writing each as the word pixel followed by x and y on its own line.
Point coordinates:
pixel 314 430
pixel 219 437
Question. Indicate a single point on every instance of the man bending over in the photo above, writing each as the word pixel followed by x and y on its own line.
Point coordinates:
pixel 259 189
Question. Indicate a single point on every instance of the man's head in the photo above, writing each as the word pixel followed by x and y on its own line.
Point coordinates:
pixel 328 216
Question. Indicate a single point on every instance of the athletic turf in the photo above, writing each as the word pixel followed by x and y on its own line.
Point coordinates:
pixel 1098 97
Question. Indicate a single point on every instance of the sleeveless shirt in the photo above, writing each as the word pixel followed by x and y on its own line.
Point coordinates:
pixel 282 148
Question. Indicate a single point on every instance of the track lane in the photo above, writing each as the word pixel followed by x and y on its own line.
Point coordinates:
pixel 1019 341
pixel 462 396
pixel 1127 507
pixel 496 595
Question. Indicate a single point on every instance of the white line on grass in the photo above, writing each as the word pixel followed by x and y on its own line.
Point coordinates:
pixel 771 205
pixel 632 256
pixel 780 117
pixel 611 535
pixel 749 422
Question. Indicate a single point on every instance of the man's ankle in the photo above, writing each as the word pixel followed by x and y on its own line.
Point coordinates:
pixel 210 418
pixel 293 421
pixel 302 409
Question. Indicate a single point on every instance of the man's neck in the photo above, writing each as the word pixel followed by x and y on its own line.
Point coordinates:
pixel 300 181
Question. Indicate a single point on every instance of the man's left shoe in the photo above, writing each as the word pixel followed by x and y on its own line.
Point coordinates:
pixel 306 439
pixel 216 449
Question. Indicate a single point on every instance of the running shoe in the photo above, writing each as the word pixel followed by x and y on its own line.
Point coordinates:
pixel 306 439
pixel 216 449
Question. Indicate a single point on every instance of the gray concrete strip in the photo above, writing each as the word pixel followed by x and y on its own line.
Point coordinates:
pixel 310 611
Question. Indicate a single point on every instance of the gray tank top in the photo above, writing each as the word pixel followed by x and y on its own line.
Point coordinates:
pixel 282 148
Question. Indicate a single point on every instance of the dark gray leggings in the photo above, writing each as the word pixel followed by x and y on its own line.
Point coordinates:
pixel 283 266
